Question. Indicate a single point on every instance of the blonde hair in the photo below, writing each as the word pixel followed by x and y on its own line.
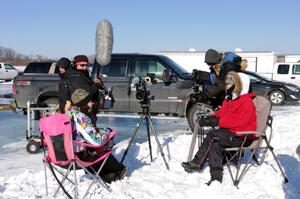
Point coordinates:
pixel 244 64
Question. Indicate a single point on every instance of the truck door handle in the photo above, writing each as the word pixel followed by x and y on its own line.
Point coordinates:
pixel 293 77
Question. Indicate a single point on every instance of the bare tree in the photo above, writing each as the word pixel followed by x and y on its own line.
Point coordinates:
pixel 11 56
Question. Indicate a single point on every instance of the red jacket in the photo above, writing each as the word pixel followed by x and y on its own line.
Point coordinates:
pixel 238 114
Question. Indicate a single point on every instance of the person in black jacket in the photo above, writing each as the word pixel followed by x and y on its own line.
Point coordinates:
pixel 220 65
pixel 215 91
pixel 79 78
pixel 64 65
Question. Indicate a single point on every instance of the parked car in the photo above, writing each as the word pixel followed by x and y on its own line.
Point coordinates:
pixel 277 92
pixel 7 71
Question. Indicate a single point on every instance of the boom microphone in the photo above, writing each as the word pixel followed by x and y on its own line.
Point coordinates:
pixel 298 151
pixel 104 45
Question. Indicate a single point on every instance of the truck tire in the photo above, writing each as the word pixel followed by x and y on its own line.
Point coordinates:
pixel 277 97
pixel 192 113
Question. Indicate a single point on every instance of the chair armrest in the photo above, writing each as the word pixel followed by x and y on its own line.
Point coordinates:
pixel 90 145
pixel 250 133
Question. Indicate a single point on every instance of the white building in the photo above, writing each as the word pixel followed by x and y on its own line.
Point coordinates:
pixel 261 61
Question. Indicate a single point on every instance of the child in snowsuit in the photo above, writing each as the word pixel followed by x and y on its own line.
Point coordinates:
pixel 112 169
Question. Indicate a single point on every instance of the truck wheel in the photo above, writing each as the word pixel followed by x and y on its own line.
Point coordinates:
pixel 277 97
pixel 33 147
pixel 196 108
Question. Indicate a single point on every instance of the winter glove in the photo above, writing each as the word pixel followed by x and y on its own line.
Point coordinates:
pixel 209 121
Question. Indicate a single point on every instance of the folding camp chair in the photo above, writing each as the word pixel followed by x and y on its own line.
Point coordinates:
pixel 261 143
pixel 56 131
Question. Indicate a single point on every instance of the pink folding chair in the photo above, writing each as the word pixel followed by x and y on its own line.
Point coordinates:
pixel 56 133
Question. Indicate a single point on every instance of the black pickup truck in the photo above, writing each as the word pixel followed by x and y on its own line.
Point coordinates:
pixel 39 83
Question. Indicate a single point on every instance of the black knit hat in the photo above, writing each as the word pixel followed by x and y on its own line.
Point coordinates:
pixel 80 58
pixel 63 63
pixel 212 57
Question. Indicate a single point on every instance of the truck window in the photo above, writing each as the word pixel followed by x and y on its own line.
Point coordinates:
pixel 9 67
pixel 38 68
pixel 143 67
pixel 296 69
pixel 283 69
pixel 116 68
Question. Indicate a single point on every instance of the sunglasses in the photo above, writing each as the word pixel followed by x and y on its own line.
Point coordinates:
pixel 84 65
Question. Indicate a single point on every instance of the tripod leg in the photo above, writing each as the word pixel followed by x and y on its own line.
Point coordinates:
pixel 193 142
pixel 157 141
pixel 149 138
pixel 132 137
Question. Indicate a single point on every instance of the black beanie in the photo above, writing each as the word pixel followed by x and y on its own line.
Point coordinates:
pixel 80 58
pixel 63 63
pixel 212 57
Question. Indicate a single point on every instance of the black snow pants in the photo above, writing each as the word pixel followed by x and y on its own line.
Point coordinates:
pixel 212 149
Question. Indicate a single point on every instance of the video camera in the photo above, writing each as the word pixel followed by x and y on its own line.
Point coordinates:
pixel 199 77
pixel 142 91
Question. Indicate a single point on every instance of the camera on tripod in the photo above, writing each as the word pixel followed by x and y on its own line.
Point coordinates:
pixel 198 79
pixel 143 95
pixel 142 90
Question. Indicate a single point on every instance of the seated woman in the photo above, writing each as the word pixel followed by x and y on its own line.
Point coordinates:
pixel 238 113
pixel 87 132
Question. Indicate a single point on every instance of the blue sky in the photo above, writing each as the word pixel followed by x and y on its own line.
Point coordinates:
pixel 59 28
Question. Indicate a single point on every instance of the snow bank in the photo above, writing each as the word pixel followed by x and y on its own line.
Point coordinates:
pixel 147 179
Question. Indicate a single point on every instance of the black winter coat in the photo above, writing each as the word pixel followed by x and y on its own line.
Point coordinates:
pixel 63 92
pixel 80 79
pixel 217 92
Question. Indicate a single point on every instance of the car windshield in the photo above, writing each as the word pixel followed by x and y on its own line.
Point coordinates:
pixel 176 67
pixel 257 77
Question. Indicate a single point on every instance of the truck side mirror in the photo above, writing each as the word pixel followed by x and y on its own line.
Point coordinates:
pixel 166 77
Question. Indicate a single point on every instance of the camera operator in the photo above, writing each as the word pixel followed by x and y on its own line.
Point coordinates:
pixel 220 65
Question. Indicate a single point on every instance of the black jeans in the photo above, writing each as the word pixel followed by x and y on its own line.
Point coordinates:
pixel 212 149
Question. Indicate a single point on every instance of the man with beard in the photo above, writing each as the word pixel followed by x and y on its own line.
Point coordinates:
pixel 79 78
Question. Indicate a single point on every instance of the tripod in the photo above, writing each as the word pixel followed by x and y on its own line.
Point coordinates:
pixel 146 115
pixel 198 130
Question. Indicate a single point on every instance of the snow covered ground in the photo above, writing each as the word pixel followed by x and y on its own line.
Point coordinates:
pixel 22 174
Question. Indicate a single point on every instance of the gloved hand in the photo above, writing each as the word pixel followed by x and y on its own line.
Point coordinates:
pixel 209 121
